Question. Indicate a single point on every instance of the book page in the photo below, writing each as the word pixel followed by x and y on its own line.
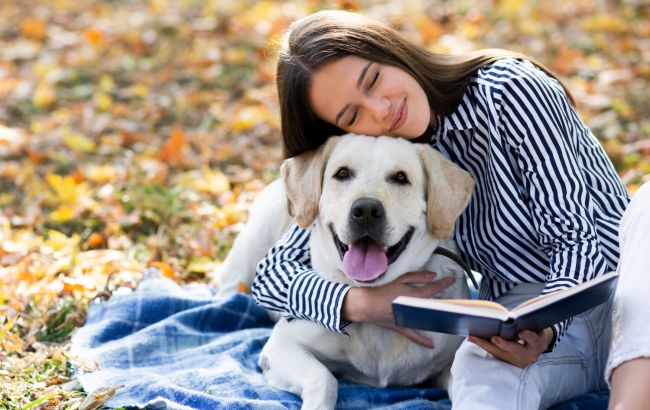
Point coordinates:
pixel 545 300
pixel 473 307
pixel 476 303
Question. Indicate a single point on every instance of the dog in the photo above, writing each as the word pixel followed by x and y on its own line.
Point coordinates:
pixel 377 208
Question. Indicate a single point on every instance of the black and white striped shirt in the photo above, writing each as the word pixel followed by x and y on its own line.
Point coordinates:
pixel 545 209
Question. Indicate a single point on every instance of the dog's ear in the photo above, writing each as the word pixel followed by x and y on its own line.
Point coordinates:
pixel 449 189
pixel 303 180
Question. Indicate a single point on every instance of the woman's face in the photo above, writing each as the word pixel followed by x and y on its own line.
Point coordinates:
pixel 369 98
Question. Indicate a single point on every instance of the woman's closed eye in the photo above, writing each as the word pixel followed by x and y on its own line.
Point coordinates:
pixel 373 80
pixel 354 117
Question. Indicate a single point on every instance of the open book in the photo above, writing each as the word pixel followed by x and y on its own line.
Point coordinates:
pixel 486 319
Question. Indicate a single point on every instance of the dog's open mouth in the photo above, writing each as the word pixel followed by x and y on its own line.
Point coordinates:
pixel 366 260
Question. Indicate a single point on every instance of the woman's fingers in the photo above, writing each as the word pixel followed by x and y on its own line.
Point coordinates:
pixel 502 350
pixel 434 288
pixel 519 353
pixel 416 278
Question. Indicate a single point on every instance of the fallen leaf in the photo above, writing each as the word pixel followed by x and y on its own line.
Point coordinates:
pixel 33 28
pixel 164 268
pixel 172 152
pixel 93 35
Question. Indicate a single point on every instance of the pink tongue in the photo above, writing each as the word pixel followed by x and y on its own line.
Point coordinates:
pixel 364 261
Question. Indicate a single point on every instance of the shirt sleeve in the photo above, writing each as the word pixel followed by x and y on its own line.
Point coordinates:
pixel 546 134
pixel 286 283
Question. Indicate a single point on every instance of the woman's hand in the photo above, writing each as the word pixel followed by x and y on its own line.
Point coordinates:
pixel 373 304
pixel 521 353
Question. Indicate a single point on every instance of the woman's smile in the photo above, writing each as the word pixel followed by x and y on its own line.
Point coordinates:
pixel 401 117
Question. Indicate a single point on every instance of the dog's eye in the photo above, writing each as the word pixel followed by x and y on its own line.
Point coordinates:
pixel 400 178
pixel 343 173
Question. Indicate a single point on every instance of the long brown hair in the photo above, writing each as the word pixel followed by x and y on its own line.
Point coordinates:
pixel 325 36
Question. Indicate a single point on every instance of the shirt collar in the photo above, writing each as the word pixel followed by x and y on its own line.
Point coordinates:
pixel 464 117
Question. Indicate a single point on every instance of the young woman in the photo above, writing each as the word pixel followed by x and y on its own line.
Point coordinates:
pixel 544 215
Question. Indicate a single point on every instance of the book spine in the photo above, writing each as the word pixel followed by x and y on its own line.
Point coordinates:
pixel 508 330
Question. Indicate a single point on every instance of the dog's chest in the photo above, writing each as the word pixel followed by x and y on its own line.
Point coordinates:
pixel 385 358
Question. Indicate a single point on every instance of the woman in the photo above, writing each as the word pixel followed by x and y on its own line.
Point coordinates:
pixel 544 215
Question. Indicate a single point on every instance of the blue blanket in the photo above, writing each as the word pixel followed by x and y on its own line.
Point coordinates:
pixel 175 347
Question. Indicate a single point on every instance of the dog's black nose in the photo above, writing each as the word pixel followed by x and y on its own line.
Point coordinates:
pixel 367 213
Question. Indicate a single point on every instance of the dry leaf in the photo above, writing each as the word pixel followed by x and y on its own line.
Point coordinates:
pixel 166 270
pixel 33 28
pixel 172 152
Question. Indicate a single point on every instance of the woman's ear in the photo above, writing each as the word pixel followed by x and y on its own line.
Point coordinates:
pixel 449 189
pixel 303 182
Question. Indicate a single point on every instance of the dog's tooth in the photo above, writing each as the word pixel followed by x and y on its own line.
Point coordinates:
pixel 385 249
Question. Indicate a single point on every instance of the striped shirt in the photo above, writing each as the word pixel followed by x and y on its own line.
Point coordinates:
pixel 545 209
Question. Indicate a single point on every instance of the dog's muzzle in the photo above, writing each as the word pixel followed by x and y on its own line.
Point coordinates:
pixel 366 259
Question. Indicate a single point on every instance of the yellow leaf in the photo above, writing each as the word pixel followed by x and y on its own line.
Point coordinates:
pixel 58 241
pixel 158 6
pixel 605 22
pixel 37 126
pixel 67 189
pixel 213 181
pixel 140 90
pixel 106 83
pixel 79 143
pixel 33 28
pixel 44 96
pixel 510 8
pixel 7 326
pixel 228 215
pixel 103 101
pixel 470 31
pixel 100 174
pixel 43 70
pixel 6 198
pixel 248 117
pixel 63 213
pixel 201 264
pixel 623 108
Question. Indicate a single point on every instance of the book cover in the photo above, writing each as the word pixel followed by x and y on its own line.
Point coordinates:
pixel 486 319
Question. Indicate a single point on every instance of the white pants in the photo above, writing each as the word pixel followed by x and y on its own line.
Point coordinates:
pixel 577 364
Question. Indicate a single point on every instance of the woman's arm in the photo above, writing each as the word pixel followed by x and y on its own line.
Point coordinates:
pixel 285 283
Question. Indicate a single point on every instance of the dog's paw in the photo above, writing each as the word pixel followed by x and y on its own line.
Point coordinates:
pixel 322 397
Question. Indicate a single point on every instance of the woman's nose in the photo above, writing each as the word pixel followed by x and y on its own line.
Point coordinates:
pixel 379 107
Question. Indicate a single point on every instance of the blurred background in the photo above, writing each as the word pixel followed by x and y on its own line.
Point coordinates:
pixel 135 134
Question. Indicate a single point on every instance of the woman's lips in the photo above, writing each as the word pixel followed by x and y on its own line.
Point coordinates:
pixel 401 116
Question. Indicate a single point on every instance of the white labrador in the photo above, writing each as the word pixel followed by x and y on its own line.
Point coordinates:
pixel 377 208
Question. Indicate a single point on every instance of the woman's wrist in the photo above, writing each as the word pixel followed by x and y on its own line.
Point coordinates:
pixel 353 303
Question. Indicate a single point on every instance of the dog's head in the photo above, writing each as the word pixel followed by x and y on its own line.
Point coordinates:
pixel 379 201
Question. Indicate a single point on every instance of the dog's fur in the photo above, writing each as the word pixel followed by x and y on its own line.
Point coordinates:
pixel 301 356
